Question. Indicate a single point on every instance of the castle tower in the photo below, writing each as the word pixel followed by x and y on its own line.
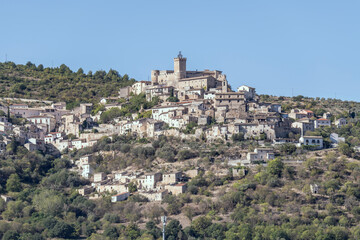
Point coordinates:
pixel 179 67
pixel 155 77
pixel 224 83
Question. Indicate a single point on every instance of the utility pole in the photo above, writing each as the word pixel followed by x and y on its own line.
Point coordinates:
pixel 163 220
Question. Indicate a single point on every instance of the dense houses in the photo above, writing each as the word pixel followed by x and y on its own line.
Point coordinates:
pixel 192 104
pixel 154 186
pixel 202 99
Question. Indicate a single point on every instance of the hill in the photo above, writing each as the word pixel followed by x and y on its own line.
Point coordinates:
pixel 59 84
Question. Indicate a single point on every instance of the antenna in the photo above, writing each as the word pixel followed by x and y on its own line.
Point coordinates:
pixel 163 220
pixel 5 57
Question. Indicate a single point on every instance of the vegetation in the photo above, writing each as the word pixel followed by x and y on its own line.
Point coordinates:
pixel 59 83
pixel 276 201
pixel 132 106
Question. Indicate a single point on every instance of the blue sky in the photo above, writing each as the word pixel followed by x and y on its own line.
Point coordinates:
pixel 310 48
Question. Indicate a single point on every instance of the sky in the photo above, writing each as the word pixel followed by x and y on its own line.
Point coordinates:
pixel 283 48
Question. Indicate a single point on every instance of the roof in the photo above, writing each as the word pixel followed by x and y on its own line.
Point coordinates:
pixel 303 119
pixel 120 194
pixel 265 149
pixel 195 78
pixel 40 117
pixel 168 106
pixel 231 93
pixel 323 119
pixel 180 184
pixel 246 86
pixel 319 137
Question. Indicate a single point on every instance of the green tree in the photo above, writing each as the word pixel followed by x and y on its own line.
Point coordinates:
pixel 62 230
pixel 275 167
pixel 132 187
pixel 172 230
pixel 200 225
pixel 345 149
pixel 13 183
pixel 111 232
pixel 49 202
pixel 132 231
pixel 13 210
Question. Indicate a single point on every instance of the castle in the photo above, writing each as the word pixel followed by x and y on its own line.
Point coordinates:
pixel 182 79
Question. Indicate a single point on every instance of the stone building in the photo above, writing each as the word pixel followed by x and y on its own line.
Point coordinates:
pixel 176 189
pixel 98 177
pixel 182 79
pixel 171 178
pixel 261 154
pixel 125 92
pixel 140 87
pixel 340 122
pixel 304 125
pixel 148 181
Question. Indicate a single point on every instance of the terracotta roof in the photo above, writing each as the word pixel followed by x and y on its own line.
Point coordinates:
pixel 120 194
pixel 39 117
pixel 180 184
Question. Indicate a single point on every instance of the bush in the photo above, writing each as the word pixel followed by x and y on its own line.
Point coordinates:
pixel 62 230
pixel 185 154
pixel 167 153
pixel 112 218
pixel 237 137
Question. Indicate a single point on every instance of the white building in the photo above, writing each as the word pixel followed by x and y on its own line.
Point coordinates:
pixel 322 122
pixel 335 139
pixel 148 181
pixel 250 92
pixel 340 122
pixel 261 154
pixel 49 121
pixel 316 141
pixel 120 197
pixel 140 87
pixel 86 171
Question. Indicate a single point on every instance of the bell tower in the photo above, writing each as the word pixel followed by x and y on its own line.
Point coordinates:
pixel 180 67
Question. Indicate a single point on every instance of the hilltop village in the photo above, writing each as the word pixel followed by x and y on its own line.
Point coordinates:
pixel 190 105
pixel 102 156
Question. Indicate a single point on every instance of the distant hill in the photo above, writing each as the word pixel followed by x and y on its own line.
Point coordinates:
pixel 59 84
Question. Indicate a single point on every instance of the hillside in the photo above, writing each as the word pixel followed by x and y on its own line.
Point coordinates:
pixel 268 202
pixel 59 84
pixel 300 192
